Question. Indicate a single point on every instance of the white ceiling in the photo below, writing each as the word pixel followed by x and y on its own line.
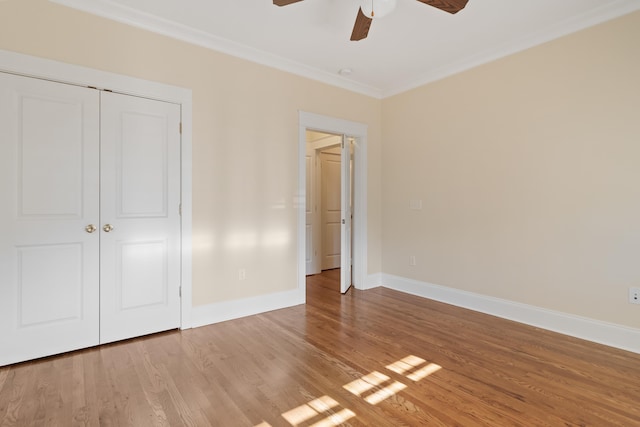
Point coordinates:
pixel 412 46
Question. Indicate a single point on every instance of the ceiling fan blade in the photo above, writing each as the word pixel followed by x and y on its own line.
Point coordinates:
pixel 451 6
pixel 361 27
pixel 284 2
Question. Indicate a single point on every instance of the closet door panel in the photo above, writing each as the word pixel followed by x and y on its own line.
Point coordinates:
pixel 140 193
pixel 49 180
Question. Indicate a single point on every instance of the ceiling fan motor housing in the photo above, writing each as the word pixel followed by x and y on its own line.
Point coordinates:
pixel 377 8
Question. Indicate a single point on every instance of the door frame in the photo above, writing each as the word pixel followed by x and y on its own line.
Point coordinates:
pixel 358 131
pixel 31 66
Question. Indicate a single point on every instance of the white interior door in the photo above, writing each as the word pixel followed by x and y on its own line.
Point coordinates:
pixel 346 214
pixel 331 207
pixel 311 214
pixel 140 224
pixel 49 272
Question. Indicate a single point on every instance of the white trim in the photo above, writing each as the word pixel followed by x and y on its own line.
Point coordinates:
pixel 358 131
pixel 187 212
pixel 593 17
pixel 229 310
pixel 610 334
pixel 155 24
pixel 300 204
pixel 323 143
pixel 135 18
pixel 31 66
pixel 373 281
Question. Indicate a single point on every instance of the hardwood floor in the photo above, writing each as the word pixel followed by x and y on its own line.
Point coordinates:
pixel 375 358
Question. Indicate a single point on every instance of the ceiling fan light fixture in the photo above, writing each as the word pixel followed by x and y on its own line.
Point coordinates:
pixel 377 8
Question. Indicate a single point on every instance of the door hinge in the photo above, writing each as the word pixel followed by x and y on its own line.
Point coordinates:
pixel 180 128
pixel 180 291
pixel 180 209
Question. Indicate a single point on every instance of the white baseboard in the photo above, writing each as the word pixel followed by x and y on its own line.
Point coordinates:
pixel 372 281
pixel 229 310
pixel 610 334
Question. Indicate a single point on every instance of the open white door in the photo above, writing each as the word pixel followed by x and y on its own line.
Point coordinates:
pixel 346 213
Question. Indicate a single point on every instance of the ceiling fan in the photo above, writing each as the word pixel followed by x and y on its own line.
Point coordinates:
pixel 378 8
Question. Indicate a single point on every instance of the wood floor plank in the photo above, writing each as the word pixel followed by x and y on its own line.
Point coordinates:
pixel 368 358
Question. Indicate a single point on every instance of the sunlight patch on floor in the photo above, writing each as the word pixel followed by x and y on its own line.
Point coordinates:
pixel 366 383
pixel 336 419
pixel 411 367
pixel 374 388
pixel 424 372
pixel 403 365
pixel 374 381
pixel 320 407
pixel 385 393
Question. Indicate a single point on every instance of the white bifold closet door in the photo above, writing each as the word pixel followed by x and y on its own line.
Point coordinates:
pixel 89 220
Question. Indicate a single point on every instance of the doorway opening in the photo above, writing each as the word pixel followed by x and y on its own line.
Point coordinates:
pixel 329 205
pixel 352 166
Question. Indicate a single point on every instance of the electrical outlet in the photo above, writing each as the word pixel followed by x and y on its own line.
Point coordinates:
pixel 634 295
pixel 415 204
pixel 242 274
pixel 412 260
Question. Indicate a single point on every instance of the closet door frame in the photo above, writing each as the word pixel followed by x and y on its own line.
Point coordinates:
pixel 31 66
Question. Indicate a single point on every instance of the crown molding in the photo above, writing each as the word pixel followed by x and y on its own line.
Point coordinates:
pixel 135 18
pixel 593 17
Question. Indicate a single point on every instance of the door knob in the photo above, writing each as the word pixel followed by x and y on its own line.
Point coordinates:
pixel 90 228
pixel 107 228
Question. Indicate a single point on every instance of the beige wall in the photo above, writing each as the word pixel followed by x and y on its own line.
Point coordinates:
pixel 529 172
pixel 245 139
pixel 528 167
